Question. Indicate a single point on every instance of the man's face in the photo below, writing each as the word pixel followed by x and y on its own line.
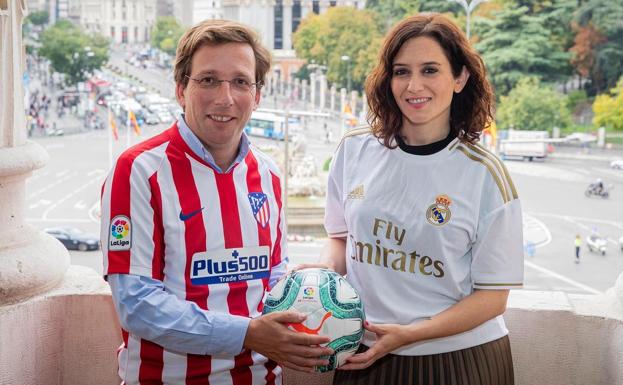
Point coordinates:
pixel 218 114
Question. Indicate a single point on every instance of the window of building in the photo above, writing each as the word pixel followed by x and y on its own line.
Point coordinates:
pixel 278 42
pixel 332 3
pixel 135 33
pixel 124 34
pixel 316 6
pixel 296 15
pixel 124 15
pixel 112 32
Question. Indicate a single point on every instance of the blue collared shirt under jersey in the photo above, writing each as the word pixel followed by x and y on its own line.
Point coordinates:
pixel 147 310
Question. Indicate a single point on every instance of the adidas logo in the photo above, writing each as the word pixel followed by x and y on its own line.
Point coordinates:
pixel 357 193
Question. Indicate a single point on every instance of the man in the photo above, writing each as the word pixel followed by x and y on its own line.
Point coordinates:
pixel 193 231
pixel 578 245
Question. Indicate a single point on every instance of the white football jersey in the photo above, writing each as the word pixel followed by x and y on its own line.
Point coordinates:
pixel 424 231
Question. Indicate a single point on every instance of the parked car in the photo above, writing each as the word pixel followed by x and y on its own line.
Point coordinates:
pixel 621 243
pixel 74 239
pixel 151 118
pixel 617 164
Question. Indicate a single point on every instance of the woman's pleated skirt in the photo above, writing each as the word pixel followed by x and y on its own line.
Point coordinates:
pixel 486 364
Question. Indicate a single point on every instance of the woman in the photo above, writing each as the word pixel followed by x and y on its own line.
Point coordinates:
pixel 425 221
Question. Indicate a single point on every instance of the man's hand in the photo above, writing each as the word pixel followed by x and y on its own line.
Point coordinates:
pixel 269 335
pixel 302 266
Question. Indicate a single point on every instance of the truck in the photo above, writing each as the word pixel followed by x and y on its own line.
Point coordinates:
pixel 522 144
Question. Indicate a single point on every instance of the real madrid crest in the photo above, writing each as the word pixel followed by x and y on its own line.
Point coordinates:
pixel 438 213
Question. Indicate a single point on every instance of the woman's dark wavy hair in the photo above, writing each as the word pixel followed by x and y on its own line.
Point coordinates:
pixel 471 109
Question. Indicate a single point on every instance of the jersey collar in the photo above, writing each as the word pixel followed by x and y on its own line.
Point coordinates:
pixel 198 149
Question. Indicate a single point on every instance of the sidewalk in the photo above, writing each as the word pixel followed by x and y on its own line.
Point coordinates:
pixel 69 123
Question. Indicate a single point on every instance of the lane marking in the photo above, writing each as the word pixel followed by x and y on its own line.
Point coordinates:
pixel 94 212
pixel 562 278
pixel 69 196
pixel 53 184
pixel 538 224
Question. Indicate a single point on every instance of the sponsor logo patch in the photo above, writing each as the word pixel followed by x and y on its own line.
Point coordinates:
pixel 120 237
pixel 357 193
pixel 187 216
pixel 230 265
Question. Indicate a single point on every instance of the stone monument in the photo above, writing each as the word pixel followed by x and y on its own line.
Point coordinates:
pixel 31 262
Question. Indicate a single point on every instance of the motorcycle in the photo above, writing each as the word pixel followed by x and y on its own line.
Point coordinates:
pixel 596 244
pixel 604 192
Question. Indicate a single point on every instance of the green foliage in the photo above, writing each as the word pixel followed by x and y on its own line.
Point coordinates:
pixel 341 31
pixel 574 98
pixel 38 18
pixel 608 108
pixel 515 44
pixel 166 34
pixel 531 107
pixel 72 52
pixel 391 11
pixel 606 56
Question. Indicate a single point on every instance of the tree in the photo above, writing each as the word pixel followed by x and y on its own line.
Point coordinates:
pixel 608 108
pixel 341 31
pixel 599 50
pixel 166 33
pixel 72 52
pixel 515 44
pixel 38 17
pixel 531 107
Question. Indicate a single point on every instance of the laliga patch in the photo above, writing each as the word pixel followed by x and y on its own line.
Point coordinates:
pixel 230 265
pixel 120 236
pixel 438 213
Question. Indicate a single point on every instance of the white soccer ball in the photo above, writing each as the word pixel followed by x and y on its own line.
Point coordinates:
pixel 332 305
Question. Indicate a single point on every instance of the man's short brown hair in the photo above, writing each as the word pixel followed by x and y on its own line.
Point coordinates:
pixel 215 32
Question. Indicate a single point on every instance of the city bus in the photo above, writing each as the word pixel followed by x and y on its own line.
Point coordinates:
pixel 269 125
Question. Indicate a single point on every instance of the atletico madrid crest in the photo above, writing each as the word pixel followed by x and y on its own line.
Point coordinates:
pixel 259 206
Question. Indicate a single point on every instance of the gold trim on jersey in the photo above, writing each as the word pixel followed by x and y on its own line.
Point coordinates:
pixel 496 178
pixel 341 234
pixel 354 132
pixel 498 284
pixel 456 141
pixel 481 150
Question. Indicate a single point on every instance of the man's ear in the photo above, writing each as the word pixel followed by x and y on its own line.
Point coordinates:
pixel 461 80
pixel 179 94
pixel 258 96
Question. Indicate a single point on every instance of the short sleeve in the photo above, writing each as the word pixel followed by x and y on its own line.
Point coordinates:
pixel 497 254
pixel 334 220
pixel 131 235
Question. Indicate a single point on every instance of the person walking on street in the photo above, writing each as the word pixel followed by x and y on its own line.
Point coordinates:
pixel 578 244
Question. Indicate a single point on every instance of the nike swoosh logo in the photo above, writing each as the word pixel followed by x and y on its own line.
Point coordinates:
pixel 185 217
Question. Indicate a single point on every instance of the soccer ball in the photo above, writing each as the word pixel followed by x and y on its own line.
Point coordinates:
pixel 332 306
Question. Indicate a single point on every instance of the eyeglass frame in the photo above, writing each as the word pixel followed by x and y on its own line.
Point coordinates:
pixel 258 85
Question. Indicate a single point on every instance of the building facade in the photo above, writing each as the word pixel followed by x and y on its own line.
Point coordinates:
pixel 123 21
pixel 190 12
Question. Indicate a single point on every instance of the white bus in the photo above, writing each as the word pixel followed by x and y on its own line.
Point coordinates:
pixel 269 125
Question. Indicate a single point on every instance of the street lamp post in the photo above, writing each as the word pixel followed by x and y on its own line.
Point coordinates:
pixel 469 8
pixel 346 58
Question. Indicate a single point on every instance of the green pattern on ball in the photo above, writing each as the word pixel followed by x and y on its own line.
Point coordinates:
pixel 328 296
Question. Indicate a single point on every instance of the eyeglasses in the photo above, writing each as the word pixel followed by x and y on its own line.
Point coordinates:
pixel 236 84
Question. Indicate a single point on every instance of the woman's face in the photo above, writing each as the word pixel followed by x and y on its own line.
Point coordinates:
pixel 423 85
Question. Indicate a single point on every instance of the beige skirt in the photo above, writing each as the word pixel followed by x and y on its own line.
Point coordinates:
pixel 486 364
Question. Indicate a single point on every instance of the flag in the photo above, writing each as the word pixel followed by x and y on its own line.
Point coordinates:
pixel 132 117
pixel 113 125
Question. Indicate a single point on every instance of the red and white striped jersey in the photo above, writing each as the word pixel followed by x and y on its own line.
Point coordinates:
pixel 211 238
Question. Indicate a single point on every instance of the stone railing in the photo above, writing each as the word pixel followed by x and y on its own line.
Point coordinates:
pixel 70 335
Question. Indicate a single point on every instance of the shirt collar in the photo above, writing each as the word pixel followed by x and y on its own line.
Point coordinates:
pixel 197 147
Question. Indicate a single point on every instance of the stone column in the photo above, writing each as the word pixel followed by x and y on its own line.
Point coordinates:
pixel 333 93
pixel 354 95
pixel 323 91
pixel 364 107
pixel 304 86
pixel 312 84
pixel 287 24
pixel 31 262
pixel 297 89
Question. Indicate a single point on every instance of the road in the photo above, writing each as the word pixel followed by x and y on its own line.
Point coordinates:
pixel 66 192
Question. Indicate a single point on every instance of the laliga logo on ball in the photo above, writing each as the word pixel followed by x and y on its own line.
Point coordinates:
pixel 336 312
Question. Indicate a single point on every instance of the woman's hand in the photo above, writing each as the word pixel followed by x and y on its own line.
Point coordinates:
pixel 389 337
pixel 310 266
